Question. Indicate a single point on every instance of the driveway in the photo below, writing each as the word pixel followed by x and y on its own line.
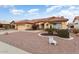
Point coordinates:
pixel 33 43
pixel 9 31
pixel 9 49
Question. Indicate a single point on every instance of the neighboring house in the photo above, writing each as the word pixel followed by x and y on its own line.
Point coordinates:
pixel 4 25
pixel 7 25
pixel 70 25
pixel 12 24
pixel 76 22
pixel 44 23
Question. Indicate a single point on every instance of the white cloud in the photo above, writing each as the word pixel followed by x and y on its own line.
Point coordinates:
pixel 49 9
pixel 33 11
pixel 12 9
pixel 65 13
pixel 72 7
pixel 32 14
pixel 69 13
pixel 16 11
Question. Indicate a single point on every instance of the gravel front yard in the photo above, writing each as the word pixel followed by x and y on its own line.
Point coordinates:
pixel 33 43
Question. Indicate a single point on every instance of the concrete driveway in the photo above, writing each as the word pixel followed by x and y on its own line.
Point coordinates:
pixel 33 43
pixel 9 49
pixel 9 31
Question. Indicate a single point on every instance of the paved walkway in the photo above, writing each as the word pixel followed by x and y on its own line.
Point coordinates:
pixel 9 31
pixel 8 49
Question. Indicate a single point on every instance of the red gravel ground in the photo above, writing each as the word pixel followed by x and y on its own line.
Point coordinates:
pixel 31 42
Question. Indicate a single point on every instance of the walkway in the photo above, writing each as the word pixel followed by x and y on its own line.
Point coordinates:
pixel 9 31
pixel 8 49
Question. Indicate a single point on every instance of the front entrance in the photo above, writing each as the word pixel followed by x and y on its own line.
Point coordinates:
pixel 42 26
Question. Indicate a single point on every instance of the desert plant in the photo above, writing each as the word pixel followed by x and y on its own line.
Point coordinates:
pixel 50 30
pixel 63 33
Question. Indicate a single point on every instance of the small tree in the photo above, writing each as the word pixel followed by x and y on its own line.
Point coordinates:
pixel 50 30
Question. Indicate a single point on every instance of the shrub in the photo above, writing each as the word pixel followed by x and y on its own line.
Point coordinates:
pixel 50 31
pixel 63 33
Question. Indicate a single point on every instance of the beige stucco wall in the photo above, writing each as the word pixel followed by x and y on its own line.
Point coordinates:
pixel 64 25
pixel 23 26
pixel 46 26
pixel 29 26
pixel 40 25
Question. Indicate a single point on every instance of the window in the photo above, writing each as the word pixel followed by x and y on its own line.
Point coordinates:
pixel 57 26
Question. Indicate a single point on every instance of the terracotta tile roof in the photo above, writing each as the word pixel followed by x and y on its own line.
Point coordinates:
pixel 49 19
pixel 24 22
pixel 76 18
pixel 54 19
pixel 57 19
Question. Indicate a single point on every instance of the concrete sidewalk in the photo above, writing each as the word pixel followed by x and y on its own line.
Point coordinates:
pixel 7 31
pixel 8 49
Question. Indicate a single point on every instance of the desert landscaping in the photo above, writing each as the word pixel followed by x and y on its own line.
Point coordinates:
pixel 31 42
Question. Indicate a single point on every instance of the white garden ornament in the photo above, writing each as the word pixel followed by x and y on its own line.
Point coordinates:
pixel 51 40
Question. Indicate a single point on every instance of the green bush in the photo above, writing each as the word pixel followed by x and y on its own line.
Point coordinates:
pixel 50 30
pixel 63 33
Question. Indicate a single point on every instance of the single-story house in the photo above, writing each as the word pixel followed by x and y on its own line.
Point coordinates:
pixel 76 22
pixel 54 22
pixel 43 23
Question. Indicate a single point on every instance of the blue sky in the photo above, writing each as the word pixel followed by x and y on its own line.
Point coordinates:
pixel 21 12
